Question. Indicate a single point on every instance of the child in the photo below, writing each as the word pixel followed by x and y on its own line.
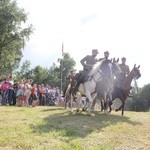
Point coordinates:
pixel 34 96
pixel 19 94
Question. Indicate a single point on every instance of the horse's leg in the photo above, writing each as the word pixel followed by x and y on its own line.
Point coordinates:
pixel 66 99
pixel 71 101
pixel 78 101
pixel 93 104
pixel 105 103
pixel 110 109
pixel 89 105
pixel 110 102
pixel 118 108
pixel 123 104
pixel 120 105
pixel 85 103
pixel 102 105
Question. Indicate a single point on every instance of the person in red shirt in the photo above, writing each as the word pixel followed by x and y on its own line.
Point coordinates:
pixel 34 95
pixel 5 86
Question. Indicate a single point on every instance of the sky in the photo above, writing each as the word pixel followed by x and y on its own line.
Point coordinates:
pixel 121 27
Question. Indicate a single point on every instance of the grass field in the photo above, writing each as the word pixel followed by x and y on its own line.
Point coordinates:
pixel 53 128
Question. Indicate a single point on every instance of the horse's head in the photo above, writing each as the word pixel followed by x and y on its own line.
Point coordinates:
pixel 136 72
pixel 115 67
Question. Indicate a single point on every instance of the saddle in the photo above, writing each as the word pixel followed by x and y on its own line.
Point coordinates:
pixel 81 77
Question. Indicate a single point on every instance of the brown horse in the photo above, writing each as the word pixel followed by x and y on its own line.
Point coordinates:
pixel 69 93
pixel 123 92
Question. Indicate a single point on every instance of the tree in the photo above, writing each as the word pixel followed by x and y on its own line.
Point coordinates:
pixel 25 72
pixel 145 94
pixel 51 76
pixel 66 64
pixel 141 100
pixel 12 35
pixel 39 75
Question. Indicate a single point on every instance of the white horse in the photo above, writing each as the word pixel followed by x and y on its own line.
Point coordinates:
pixel 105 85
pixel 88 88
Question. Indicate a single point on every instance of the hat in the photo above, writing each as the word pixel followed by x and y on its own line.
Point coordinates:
pixel 95 51
pixel 106 52
pixel 123 58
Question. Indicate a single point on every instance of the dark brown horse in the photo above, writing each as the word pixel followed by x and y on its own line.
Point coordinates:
pixel 69 93
pixel 123 92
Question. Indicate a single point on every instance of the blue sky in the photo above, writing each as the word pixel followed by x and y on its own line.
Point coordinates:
pixel 120 26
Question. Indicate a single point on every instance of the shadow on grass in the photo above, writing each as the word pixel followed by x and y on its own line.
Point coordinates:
pixel 54 109
pixel 75 125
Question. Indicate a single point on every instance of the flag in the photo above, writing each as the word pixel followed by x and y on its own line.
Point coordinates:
pixel 62 48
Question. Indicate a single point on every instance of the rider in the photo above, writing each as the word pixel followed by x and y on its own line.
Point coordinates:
pixel 124 68
pixel 125 72
pixel 87 63
pixel 106 55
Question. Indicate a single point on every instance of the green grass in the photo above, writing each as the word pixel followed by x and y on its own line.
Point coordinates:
pixel 53 128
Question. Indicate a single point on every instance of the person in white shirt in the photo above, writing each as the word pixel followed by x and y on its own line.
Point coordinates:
pixel 27 92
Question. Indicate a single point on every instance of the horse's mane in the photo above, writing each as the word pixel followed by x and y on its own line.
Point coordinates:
pixel 95 68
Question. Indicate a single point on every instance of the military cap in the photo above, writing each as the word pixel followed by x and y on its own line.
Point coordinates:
pixel 106 52
pixel 95 51
pixel 123 58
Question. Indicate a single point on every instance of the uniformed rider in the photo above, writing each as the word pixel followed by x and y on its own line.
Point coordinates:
pixel 125 72
pixel 125 68
pixel 106 55
pixel 87 63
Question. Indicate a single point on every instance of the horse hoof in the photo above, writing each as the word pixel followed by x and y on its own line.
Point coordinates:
pixel 83 109
pixel 116 110
pixel 77 110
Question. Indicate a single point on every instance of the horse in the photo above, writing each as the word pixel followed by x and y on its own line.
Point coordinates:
pixel 123 92
pixel 69 94
pixel 68 97
pixel 88 87
pixel 105 85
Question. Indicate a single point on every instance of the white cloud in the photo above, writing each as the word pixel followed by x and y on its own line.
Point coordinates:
pixel 121 27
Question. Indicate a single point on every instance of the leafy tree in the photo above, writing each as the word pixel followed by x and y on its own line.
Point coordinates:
pixel 39 75
pixel 51 76
pixel 141 100
pixel 145 94
pixel 25 71
pixel 139 103
pixel 12 35
pixel 66 64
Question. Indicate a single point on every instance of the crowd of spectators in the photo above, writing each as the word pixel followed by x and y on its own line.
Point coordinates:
pixel 27 93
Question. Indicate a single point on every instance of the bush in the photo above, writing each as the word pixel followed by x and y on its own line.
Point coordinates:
pixel 139 104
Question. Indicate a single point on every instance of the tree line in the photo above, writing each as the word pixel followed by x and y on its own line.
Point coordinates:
pixel 52 75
